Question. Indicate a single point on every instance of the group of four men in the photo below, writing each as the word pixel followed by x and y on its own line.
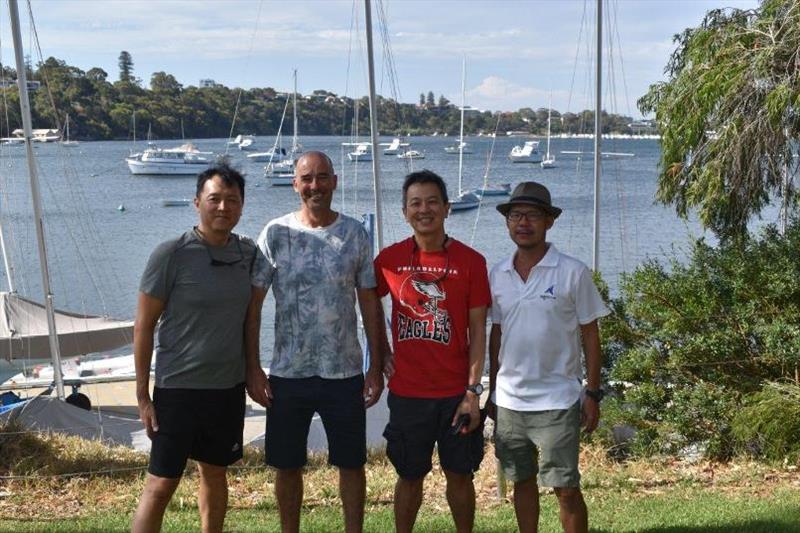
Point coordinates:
pixel 205 289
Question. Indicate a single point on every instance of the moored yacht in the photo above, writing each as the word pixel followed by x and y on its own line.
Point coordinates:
pixel 183 160
pixel 527 153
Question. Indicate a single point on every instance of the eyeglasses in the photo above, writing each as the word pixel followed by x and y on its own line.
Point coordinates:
pixel 530 216
pixel 415 268
pixel 220 262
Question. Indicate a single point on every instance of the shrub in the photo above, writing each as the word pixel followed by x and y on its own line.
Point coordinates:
pixel 691 341
pixel 768 425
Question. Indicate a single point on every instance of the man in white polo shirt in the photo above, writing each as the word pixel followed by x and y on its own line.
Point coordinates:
pixel 544 307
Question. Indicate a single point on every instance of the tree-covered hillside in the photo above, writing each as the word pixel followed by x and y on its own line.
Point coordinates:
pixel 100 108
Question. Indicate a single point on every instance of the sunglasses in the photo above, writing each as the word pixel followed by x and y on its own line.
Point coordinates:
pixel 220 262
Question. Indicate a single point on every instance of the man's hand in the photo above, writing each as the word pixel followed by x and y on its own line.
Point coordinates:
pixel 470 406
pixel 257 386
pixel 388 365
pixel 373 387
pixel 590 414
pixel 147 414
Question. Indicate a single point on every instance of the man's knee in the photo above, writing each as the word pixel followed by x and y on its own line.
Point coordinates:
pixel 411 485
pixel 569 497
pixel 212 474
pixel 527 484
pixel 458 481
pixel 289 474
pixel 160 489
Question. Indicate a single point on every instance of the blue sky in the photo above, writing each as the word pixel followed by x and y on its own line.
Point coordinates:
pixel 517 51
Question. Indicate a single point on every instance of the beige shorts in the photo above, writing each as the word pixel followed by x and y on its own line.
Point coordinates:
pixel 543 442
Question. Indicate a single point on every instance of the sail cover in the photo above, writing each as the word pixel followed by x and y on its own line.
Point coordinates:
pixel 23 331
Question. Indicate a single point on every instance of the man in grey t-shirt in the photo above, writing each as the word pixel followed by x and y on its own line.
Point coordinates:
pixel 199 287
pixel 318 263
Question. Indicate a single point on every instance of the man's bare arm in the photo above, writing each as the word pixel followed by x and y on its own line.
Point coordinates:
pixel 148 311
pixel 256 380
pixel 371 314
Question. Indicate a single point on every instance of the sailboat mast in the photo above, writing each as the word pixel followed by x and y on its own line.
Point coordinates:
pixel 373 122
pixel 461 133
pixel 549 114
pixel 6 262
pixel 598 130
pixel 294 114
pixel 25 110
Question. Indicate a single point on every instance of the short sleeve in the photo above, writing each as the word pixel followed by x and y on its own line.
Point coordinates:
pixel 380 279
pixel 159 274
pixel 589 304
pixel 263 264
pixel 479 292
pixel 365 278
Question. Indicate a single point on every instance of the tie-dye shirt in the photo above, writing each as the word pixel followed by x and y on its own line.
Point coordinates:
pixel 314 274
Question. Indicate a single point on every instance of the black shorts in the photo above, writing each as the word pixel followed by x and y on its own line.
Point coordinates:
pixel 416 424
pixel 203 424
pixel 340 404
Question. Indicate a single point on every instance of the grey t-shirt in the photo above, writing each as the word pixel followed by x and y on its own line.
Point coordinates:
pixel 314 273
pixel 200 343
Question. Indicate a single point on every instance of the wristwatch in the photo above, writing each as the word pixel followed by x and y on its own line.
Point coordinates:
pixel 476 389
pixel 596 395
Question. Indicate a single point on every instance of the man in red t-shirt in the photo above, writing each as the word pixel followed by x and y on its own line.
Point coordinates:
pixel 440 293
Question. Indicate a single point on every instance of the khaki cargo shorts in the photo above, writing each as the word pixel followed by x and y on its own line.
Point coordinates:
pixel 543 442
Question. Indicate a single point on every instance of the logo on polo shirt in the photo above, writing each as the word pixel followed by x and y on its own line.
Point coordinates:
pixel 420 295
pixel 549 294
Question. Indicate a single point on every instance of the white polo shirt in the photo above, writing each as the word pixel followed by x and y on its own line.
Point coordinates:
pixel 540 353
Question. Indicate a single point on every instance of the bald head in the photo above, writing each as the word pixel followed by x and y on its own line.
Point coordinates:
pixel 314 158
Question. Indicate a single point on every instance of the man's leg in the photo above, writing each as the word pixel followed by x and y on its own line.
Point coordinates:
pixel 572 510
pixel 341 409
pixel 526 505
pixel 461 499
pixel 407 501
pixel 289 493
pixel 213 496
pixel 353 491
pixel 154 500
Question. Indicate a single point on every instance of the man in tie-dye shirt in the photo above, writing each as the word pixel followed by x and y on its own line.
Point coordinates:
pixel 318 263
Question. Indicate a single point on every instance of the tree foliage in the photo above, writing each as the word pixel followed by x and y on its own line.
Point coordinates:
pixel 728 114
pixel 693 341
pixel 125 67
pixel 101 109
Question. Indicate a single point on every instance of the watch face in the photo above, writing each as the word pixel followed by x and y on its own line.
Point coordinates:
pixel 477 388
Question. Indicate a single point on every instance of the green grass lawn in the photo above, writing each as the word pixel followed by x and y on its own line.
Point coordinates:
pixel 656 494
pixel 680 510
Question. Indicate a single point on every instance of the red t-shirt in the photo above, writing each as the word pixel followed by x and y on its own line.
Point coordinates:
pixel 432 294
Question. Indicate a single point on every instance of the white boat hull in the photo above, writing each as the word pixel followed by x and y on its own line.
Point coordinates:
pixel 503 189
pixel 265 157
pixel 279 180
pixel 166 169
pixel 467 200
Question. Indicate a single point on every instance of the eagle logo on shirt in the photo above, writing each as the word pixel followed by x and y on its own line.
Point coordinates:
pixel 420 295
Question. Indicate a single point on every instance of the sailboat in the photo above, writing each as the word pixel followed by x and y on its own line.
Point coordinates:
pixel 68 142
pixel 282 172
pixel 277 153
pixel 549 160
pixel 464 200
pixel 32 330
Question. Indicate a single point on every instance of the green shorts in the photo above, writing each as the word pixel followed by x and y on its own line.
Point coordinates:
pixel 543 442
